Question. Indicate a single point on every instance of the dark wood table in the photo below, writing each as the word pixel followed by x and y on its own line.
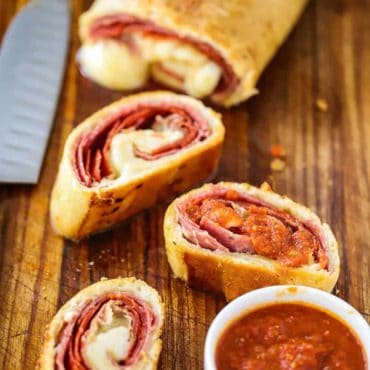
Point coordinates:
pixel 327 56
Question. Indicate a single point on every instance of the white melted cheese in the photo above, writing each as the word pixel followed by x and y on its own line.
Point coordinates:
pixel 108 340
pixel 122 156
pixel 201 81
pixel 107 349
pixel 114 65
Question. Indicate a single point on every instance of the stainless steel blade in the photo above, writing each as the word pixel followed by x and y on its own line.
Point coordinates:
pixel 32 58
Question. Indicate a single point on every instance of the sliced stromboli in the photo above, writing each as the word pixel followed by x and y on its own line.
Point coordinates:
pixel 232 238
pixel 136 152
pixel 112 324
pixel 206 48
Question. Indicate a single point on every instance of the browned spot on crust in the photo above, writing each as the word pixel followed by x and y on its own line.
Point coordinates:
pixel 109 212
pixel 101 202
pixel 115 209
pixel 177 181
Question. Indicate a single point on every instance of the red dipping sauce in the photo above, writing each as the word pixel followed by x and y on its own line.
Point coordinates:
pixel 289 336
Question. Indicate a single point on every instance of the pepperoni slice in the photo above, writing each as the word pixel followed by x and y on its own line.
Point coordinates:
pixel 92 148
pixel 269 236
pixel 221 213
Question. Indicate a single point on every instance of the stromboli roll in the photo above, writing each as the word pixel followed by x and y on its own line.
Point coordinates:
pixel 136 152
pixel 232 238
pixel 112 324
pixel 206 48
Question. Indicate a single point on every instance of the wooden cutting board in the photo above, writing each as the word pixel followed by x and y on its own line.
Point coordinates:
pixel 327 56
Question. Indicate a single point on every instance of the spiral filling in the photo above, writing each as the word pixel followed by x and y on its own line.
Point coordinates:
pixel 221 219
pixel 124 142
pixel 108 332
pixel 182 62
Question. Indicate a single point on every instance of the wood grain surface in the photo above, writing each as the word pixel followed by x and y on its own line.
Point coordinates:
pixel 327 56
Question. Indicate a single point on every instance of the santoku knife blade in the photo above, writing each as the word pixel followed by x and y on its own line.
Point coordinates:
pixel 32 59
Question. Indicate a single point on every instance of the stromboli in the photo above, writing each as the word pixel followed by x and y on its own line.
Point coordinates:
pixel 112 324
pixel 205 48
pixel 232 238
pixel 130 155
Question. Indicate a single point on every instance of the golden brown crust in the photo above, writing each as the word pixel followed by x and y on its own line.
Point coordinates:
pixel 77 211
pixel 247 33
pixel 236 273
pixel 136 287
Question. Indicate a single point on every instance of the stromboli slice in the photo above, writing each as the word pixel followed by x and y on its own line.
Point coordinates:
pixel 232 238
pixel 207 48
pixel 136 152
pixel 112 324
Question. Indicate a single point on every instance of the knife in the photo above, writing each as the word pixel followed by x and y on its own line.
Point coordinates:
pixel 32 59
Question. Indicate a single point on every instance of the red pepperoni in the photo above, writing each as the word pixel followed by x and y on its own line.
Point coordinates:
pixel 92 148
pixel 219 212
pixel 269 236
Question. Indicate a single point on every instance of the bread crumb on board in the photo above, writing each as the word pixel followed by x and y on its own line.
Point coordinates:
pixel 277 165
pixel 322 105
pixel 278 155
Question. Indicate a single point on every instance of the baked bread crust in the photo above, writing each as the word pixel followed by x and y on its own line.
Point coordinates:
pixel 136 288
pixel 77 210
pixel 247 33
pixel 233 274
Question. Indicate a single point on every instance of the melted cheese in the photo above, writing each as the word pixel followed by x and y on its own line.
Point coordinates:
pixel 108 341
pixel 114 65
pixel 159 50
pixel 202 80
pixel 122 157
pixel 105 350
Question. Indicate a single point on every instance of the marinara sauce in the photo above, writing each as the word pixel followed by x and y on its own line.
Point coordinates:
pixel 289 336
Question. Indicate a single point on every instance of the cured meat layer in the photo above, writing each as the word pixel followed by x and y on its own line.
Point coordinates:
pixel 92 149
pixel 226 220
pixel 101 312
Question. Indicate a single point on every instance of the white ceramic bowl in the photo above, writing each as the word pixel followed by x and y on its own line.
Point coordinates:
pixel 279 294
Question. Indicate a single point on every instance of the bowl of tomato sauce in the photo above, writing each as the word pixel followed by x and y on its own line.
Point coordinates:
pixel 288 327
